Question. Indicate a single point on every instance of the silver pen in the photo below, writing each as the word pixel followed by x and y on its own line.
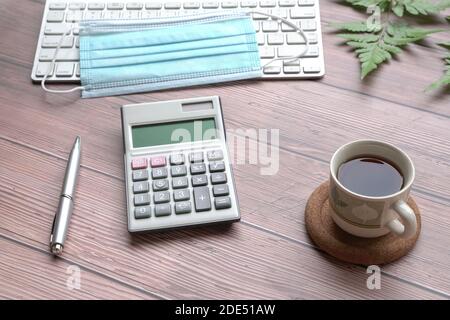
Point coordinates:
pixel 62 217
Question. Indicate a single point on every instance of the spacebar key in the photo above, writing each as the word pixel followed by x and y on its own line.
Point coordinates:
pixel 201 199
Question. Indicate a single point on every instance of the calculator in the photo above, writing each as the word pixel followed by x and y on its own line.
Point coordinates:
pixel 177 165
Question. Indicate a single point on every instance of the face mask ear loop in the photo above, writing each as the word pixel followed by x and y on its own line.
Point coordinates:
pixel 292 25
pixel 52 66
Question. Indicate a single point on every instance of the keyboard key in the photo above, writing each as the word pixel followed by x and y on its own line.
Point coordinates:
pixel 196 156
pixel 267 3
pixel 139 163
pixel 303 3
pixel 96 6
pixel 229 4
pixel 77 6
pixel 291 69
pixel 159 173
pixel 289 51
pixel 287 3
pixel 159 161
pixel 53 41
pixel 312 37
pixel 56 28
pixel 161 197
pixel 218 177
pixel 256 25
pixel 63 55
pixel 172 5
pixel 131 14
pixel 178 171
pixel 202 199
pixel 286 28
pixel 308 25
pixel 153 5
pixel 42 69
pixel 142 212
pixel 183 207
pixel 294 38
pixel 199 181
pixel 176 159
pixel 311 69
pixel 160 185
pixel 222 203
pixel 55 16
pixel 220 190
pixel 280 12
pixel 180 195
pixel 74 16
pixel 214 155
pixel 249 3
pixel 93 15
pixel 267 52
pixel 216 166
pixel 140 175
pixel 113 14
pixel 77 70
pixel 260 38
pixel 275 38
pixel 65 69
pixel 162 210
pixel 134 6
pixel 191 5
pixel 77 42
pixel 57 6
pixel 257 16
pixel 180 182
pixel 198 168
pixel 141 199
pixel 270 26
pixel 141 187
pixel 298 13
pixel 115 6
pixel 313 51
pixel 272 69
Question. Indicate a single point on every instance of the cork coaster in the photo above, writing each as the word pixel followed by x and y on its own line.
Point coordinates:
pixel 344 246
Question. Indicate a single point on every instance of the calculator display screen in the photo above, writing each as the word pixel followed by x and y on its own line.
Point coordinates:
pixel 173 132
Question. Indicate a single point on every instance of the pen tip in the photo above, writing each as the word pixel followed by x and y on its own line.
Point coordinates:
pixel 57 249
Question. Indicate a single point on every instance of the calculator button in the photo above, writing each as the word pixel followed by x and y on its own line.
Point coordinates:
pixel 142 212
pixel 162 210
pixel 140 187
pixel 198 168
pixel 159 161
pixel 141 199
pixel 218 177
pixel 222 203
pixel 216 166
pixel 199 181
pixel 196 156
pixel 180 195
pixel 214 155
pixel 139 163
pixel 180 182
pixel 161 197
pixel 159 173
pixel 176 159
pixel 201 199
pixel 220 190
pixel 160 185
pixel 140 175
pixel 183 207
pixel 177 171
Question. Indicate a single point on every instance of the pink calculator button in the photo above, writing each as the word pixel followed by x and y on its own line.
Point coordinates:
pixel 139 163
pixel 158 161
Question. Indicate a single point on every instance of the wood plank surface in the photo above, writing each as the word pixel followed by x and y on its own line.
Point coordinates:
pixel 314 119
pixel 222 262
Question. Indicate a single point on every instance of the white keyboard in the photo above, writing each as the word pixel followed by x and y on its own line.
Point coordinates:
pixel 275 39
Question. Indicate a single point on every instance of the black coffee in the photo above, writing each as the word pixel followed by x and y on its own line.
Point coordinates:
pixel 370 176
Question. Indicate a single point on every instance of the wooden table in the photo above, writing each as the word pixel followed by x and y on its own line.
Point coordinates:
pixel 266 255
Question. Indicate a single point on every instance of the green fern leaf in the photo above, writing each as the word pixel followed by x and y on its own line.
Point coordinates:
pixel 445 80
pixel 355 26
pixel 401 34
pixel 419 7
pixel 383 4
pixel 359 37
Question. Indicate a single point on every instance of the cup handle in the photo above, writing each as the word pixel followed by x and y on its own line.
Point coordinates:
pixel 409 226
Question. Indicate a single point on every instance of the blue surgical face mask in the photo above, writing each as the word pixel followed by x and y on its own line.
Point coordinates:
pixel 129 56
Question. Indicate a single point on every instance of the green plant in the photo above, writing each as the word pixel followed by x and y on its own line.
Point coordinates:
pixel 384 34
pixel 445 80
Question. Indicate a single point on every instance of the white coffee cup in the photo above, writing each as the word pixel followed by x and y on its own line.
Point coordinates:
pixel 367 216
